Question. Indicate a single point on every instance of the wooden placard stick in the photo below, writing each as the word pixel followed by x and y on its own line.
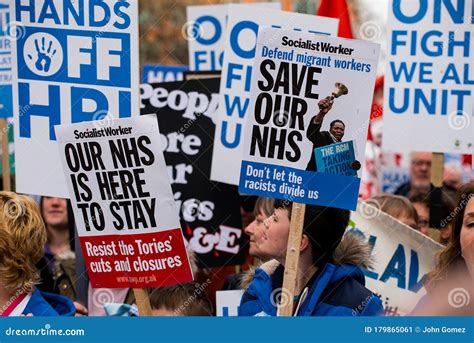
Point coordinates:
pixel 287 5
pixel 285 308
pixel 143 302
pixel 437 165
pixel 5 155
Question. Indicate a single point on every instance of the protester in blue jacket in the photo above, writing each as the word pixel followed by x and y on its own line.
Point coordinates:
pixel 22 238
pixel 327 284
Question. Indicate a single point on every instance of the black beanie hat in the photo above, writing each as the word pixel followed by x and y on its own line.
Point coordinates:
pixel 324 227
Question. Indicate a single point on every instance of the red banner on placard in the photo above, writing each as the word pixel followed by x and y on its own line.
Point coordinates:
pixel 135 261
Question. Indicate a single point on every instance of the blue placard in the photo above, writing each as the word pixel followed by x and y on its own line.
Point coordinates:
pixel 336 158
pixel 6 101
pixel 298 185
pixel 153 73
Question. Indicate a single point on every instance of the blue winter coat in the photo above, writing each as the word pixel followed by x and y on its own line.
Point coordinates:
pixel 44 304
pixel 337 290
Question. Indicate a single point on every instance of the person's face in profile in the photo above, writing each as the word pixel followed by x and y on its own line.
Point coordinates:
pixel 337 130
pixel 269 237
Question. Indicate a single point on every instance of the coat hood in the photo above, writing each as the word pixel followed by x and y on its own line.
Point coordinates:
pixel 352 251
pixel 336 289
pixel 49 304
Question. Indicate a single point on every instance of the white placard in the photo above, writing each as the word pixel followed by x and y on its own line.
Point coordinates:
pixel 75 61
pixel 125 213
pixel 429 76
pixel 205 31
pixel 402 256
pixel 239 53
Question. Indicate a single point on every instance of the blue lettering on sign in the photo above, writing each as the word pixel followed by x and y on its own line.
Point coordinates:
pixel 73 64
pixel 455 13
pixel 217 30
pixel 203 57
pixel 432 43
pixel 430 101
pixel 336 158
pixel 234 38
pixel 98 13
pixel 72 56
pixel 207 58
pixel 230 144
pixel 298 185
pixel 397 268
pixel 163 73
pixel 27 110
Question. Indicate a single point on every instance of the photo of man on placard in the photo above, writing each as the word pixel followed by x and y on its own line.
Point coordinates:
pixel 336 128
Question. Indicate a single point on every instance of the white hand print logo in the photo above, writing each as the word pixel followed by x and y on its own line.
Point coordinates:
pixel 43 54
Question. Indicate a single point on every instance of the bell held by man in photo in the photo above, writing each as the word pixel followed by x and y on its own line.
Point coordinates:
pixel 341 89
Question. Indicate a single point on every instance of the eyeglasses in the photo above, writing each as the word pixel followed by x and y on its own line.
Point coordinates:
pixel 419 163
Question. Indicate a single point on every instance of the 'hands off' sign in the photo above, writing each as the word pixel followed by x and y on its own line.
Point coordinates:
pixel 74 64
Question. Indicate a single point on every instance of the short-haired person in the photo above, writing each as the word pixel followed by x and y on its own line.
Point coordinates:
pixel 323 288
pixel 452 177
pixel 421 202
pixel 187 299
pixel 420 174
pixel 451 285
pixel 22 239
pixel 396 206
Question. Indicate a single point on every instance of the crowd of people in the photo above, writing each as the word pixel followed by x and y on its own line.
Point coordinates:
pixel 41 273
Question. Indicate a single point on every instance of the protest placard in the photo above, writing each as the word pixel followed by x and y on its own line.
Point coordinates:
pixel 429 77
pixel 237 78
pixel 205 31
pixel 6 105
pixel 209 211
pixel 153 73
pixel 74 61
pixel 309 91
pixel 125 213
pixel 402 257
pixel 336 158
pixel 228 302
